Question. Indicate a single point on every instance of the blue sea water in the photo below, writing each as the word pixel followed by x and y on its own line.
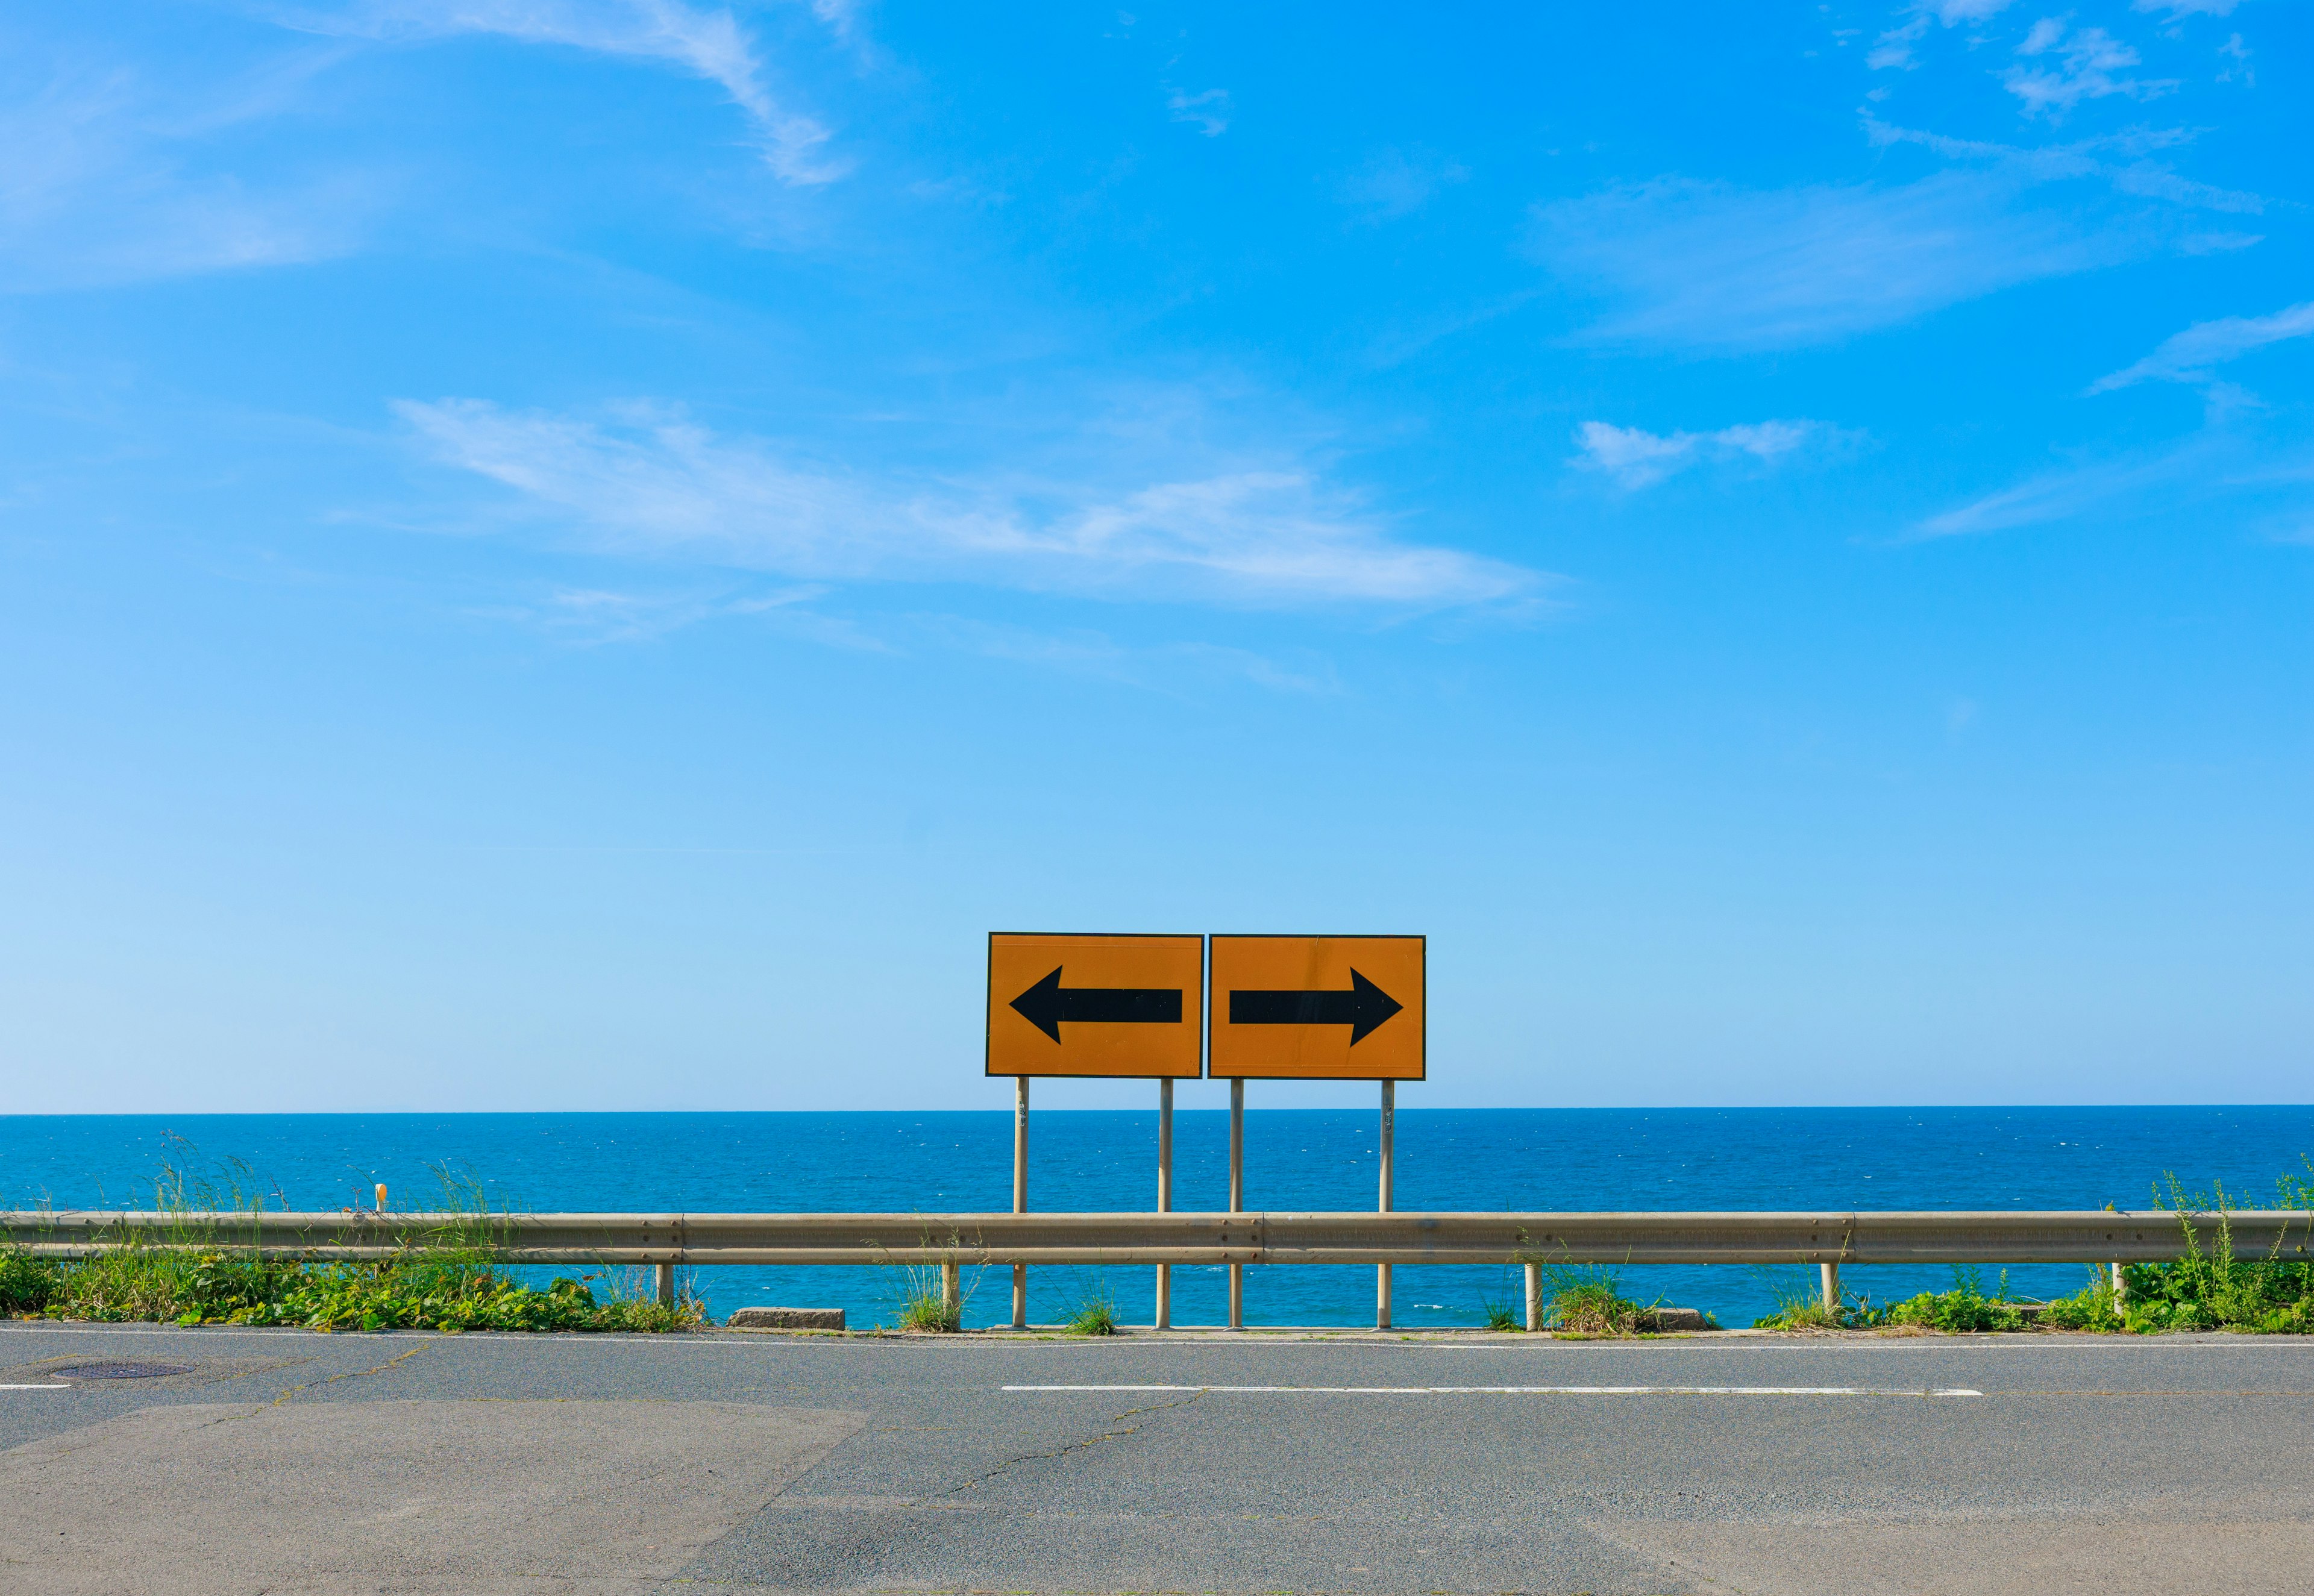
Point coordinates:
pixel 1445 1160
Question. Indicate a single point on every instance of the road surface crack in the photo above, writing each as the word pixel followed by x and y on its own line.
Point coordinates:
pixel 349 1374
pixel 1111 1433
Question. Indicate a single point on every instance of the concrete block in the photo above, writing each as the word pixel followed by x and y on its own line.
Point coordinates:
pixel 1672 1318
pixel 787 1318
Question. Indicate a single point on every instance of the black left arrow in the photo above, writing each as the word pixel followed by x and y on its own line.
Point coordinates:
pixel 1362 1008
pixel 1048 1004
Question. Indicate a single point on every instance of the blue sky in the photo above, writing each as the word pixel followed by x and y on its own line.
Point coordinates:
pixel 582 553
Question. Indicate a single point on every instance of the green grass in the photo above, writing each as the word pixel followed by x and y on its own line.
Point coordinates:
pixel 920 1290
pixel 1808 1313
pixel 28 1284
pixel 1096 1313
pixel 146 1281
pixel 1964 1309
pixel 2209 1288
pixel 1587 1300
pixel 1800 1306
pixel 194 1269
pixel 929 1310
pixel 2092 1309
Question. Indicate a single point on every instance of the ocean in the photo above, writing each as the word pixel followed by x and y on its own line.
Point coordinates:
pixel 1300 1159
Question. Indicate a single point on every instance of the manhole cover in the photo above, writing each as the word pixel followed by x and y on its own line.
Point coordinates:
pixel 118 1370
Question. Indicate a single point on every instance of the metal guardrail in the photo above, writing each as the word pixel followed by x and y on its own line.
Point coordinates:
pixel 975 1239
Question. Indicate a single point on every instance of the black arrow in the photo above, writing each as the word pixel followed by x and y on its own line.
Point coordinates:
pixel 1048 1003
pixel 1362 1008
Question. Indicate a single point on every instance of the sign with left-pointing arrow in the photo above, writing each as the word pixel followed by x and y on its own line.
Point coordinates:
pixel 1095 1005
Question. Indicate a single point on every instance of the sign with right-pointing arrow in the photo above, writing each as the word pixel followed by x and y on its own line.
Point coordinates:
pixel 1317 1007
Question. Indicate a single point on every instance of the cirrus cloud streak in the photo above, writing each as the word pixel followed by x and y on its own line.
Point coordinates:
pixel 645 481
pixel 1636 458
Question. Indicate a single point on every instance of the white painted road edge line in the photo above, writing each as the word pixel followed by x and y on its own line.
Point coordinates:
pixel 35 1388
pixel 1535 1390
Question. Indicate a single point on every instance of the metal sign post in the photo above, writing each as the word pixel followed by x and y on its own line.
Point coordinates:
pixel 1165 1196
pixel 1237 1198
pixel 1093 1006
pixel 1020 1193
pixel 1381 1271
pixel 1224 1008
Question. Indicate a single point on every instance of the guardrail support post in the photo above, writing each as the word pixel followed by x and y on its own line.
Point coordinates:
pixel 1165 1195
pixel 666 1285
pixel 1237 1197
pixel 1831 1287
pixel 1381 1271
pixel 1535 1296
pixel 2120 1286
pixel 1020 1192
pixel 952 1288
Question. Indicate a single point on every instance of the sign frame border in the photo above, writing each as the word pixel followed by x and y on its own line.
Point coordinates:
pixel 1421 937
pixel 1205 1000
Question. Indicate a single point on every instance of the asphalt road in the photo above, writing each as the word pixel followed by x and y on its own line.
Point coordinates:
pixel 280 1462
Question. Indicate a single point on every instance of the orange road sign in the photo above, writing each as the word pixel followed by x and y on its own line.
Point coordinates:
pixel 1317 1007
pixel 1079 1005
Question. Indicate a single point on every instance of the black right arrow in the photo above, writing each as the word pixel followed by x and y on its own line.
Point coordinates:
pixel 1048 1004
pixel 1362 1008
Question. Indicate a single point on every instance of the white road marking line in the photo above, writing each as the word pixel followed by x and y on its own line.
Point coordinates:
pixel 35 1388
pixel 1538 1390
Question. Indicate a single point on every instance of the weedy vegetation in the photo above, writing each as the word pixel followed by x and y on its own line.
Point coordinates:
pixel 1500 1316
pixel 1096 1310
pixel 1964 1310
pixel 1587 1300
pixel 1800 1307
pixel 2209 1288
pixel 198 1266
pixel 2093 1307
pixel 921 1298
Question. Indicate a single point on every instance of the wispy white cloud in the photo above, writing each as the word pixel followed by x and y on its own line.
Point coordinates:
pixel 610 616
pixel 103 180
pixel 1705 264
pixel 2173 10
pixel 1636 458
pixel 1396 182
pixel 2235 51
pixel 2193 356
pixel 2056 496
pixel 648 482
pixel 1894 48
pixel 1710 266
pixel 2123 161
pixel 1164 667
pixel 1208 110
pixel 598 615
pixel 841 17
pixel 2262 464
pixel 709 44
pixel 2081 65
